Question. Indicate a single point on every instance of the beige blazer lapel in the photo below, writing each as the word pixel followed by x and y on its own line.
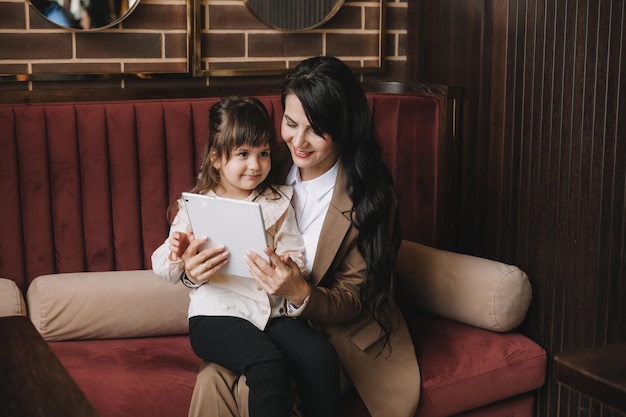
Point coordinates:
pixel 336 225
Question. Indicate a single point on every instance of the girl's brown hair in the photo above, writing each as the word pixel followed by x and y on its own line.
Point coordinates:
pixel 234 122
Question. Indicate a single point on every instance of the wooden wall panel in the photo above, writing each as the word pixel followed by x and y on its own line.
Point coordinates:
pixel 552 75
pixel 562 187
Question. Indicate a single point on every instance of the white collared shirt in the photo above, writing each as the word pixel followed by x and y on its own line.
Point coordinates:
pixel 311 200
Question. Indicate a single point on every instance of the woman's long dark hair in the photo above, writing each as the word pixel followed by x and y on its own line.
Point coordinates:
pixel 335 104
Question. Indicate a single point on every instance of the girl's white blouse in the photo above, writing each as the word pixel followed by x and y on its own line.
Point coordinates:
pixel 229 295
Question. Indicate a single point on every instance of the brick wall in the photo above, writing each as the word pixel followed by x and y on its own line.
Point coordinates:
pixel 153 42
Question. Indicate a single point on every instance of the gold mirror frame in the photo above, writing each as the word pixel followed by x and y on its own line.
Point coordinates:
pixel 85 15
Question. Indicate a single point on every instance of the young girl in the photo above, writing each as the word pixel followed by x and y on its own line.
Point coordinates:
pixel 233 321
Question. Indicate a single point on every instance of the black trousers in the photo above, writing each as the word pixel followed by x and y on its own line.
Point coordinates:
pixel 287 351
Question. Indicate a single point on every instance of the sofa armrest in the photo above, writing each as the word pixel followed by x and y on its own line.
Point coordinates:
pixel 11 299
pixel 106 305
pixel 472 290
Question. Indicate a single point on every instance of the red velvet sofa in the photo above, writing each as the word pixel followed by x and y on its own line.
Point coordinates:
pixel 85 187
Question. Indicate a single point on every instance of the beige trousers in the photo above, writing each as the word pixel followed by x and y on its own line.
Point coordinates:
pixel 221 393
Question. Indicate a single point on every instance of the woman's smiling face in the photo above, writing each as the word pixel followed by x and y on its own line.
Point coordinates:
pixel 311 153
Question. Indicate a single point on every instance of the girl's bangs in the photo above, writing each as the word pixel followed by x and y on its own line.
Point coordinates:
pixel 252 133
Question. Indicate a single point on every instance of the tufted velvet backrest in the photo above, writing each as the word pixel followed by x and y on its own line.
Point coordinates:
pixel 85 185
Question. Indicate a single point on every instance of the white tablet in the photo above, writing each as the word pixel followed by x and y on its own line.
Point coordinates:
pixel 236 224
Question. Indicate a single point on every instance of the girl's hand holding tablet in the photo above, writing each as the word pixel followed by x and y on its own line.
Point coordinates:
pixel 200 266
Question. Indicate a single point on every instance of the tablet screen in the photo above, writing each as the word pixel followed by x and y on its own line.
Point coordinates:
pixel 236 224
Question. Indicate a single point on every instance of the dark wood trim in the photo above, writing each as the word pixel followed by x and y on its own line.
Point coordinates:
pixel 599 373
pixel 34 382
pixel 103 94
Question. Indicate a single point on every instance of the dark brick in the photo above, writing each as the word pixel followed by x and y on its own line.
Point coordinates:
pixel 283 44
pixel 36 45
pixel 346 18
pixel 233 17
pixel 76 68
pixel 13 68
pixel 203 18
pixel 176 45
pixel 229 82
pixel 223 45
pixel 352 45
pixel 390 44
pixel 396 18
pixel 157 16
pixel 12 16
pixel 118 45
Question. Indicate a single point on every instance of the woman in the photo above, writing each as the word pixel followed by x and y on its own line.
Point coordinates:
pixel 346 210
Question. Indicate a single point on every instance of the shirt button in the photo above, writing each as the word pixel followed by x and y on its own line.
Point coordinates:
pixel 264 311
pixel 259 288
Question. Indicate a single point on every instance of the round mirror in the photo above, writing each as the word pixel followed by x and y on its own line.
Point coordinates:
pixel 294 15
pixel 85 14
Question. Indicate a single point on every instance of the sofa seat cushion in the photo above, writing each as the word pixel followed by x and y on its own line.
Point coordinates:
pixel 469 372
pixel 151 376
pixel 464 367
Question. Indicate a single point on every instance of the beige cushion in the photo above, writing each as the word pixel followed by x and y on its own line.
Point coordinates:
pixel 476 291
pixel 11 299
pixel 101 305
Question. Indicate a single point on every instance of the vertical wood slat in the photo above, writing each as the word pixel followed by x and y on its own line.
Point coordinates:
pixel 560 199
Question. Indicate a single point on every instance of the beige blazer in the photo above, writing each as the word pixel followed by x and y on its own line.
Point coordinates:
pixel 387 381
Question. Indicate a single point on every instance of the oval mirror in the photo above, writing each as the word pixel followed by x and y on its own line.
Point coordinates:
pixel 294 15
pixel 85 14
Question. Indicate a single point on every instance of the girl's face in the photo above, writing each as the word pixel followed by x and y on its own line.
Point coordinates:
pixel 246 168
pixel 312 154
